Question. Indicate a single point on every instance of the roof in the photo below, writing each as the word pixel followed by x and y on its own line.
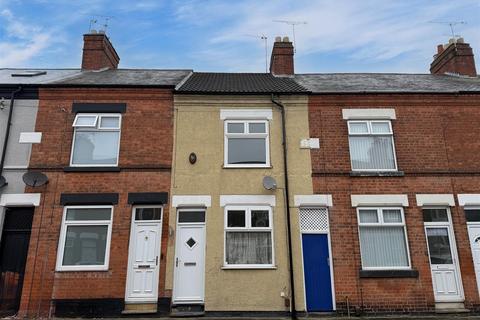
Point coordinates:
pixel 127 77
pixel 239 83
pixel 387 82
pixel 34 76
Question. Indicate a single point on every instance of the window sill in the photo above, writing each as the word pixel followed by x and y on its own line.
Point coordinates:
pixel 407 273
pixel 377 173
pixel 99 269
pixel 91 169
pixel 246 267
pixel 246 167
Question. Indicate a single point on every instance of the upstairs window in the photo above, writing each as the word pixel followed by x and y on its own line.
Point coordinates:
pixel 371 145
pixel 96 140
pixel 246 143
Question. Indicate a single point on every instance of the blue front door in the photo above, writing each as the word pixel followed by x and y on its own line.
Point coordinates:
pixel 316 265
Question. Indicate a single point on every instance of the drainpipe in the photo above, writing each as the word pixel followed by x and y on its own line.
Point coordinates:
pixel 7 131
pixel 289 233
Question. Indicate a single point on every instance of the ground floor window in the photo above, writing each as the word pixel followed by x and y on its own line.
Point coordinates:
pixel 248 236
pixel 85 238
pixel 383 238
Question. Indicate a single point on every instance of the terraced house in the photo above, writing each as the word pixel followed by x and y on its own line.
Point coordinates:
pixel 190 193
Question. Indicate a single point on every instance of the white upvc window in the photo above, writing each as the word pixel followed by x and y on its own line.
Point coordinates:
pixel 84 243
pixel 96 140
pixel 246 143
pixel 383 238
pixel 371 145
pixel 248 237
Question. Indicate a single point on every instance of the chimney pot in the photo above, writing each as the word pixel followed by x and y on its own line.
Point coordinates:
pixel 285 39
pixel 455 57
pixel 98 52
pixel 278 39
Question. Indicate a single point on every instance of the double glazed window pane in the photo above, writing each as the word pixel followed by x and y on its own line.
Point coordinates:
pixel 372 152
pixel 235 127
pixel 88 214
pixel 368 216
pixel 236 219
pixel 95 147
pixel 247 151
pixel 260 219
pixel 435 215
pixel 383 246
pixel 248 247
pixel 392 216
pixel 148 214
pixel 439 246
pixel 85 245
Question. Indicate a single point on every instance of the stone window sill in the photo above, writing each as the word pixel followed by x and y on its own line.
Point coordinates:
pixel 411 273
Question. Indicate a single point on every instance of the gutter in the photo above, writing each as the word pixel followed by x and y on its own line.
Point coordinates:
pixel 287 205
pixel 7 132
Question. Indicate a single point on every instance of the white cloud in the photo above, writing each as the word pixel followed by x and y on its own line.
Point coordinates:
pixel 22 42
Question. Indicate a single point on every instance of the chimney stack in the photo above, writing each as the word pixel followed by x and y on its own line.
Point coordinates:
pixel 281 62
pixel 98 52
pixel 454 57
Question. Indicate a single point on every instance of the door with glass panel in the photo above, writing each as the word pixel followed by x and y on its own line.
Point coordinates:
pixel 189 266
pixel 144 254
pixel 472 216
pixel 447 285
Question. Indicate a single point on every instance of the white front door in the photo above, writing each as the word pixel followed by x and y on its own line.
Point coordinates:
pixel 144 255
pixel 189 257
pixel 442 252
pixel 474 235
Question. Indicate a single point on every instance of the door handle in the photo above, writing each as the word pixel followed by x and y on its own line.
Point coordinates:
pixel 156 261
pixel 176 262
pixel 143 266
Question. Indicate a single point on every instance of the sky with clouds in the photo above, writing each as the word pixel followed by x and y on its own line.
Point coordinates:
pixel 223 35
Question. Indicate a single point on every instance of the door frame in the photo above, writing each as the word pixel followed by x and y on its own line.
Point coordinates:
pixel 327 232
pixel 473 223
pixel 130 253
pixel 175 272
pixel 453 249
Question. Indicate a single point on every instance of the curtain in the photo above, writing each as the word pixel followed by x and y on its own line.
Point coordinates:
pixel 383 247
pixel 372 152
pixel 248 247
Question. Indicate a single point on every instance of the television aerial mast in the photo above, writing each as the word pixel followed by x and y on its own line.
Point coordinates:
pixel 264 38
pixel 293 24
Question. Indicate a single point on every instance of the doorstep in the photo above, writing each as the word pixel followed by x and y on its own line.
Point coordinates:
pixel 450 307
pixel 139 308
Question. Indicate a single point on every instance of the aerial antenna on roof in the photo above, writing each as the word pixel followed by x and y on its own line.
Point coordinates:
pixel 94 21
pixel 264 38
pixel 452 25
pixel 293 24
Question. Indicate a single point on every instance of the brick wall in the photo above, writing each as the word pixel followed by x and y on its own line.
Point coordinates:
pixel 145 161
pixel 437 146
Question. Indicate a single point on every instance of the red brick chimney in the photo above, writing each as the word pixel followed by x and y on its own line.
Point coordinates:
pixel 98 52
pixel 454 57
pixel 281 62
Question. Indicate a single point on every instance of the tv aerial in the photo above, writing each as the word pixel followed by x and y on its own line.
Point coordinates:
pixel 94 21
pixel 269 183
pixel 452 25
pixel 264 38
pixel 35 179
pixel 293 24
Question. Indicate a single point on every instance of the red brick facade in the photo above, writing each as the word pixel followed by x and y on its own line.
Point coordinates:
pixel 437 147
pixel 145 160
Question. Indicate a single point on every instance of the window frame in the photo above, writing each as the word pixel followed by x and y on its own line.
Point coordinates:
pixel 468 208
pixel 248 228
pixel 371 133
pixel 63 237
pixel 96 128
pixel 380 224
pixel 246 134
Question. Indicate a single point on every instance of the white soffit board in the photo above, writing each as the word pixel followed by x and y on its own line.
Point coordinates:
pixel 359 200
pixel 472 199
pixel 244 114
pixel 435 200
pixel 20 199
pixel 30 137
pixel 368 114
pixel 247 199
pixel 179 201
pixel 324 200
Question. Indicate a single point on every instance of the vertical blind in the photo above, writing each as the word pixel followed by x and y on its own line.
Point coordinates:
pixel 372 152
pixel 383 246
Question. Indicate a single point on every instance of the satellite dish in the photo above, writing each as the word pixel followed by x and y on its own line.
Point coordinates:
pixel 269 183
pixel 3 181
pixel 35 179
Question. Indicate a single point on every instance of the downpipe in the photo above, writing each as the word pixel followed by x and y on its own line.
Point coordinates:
pixel 287 205
pixel 7 132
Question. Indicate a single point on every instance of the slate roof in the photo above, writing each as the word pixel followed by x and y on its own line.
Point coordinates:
pixel 127 77
pixel 239 83
pixel 14 76
pixel 387 82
